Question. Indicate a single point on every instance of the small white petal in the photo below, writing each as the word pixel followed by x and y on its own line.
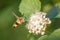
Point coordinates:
pixel 49 22
pixel 42 33
pixel 30 32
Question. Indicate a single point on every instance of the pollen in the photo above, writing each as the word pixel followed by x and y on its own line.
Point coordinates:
pixel 37 23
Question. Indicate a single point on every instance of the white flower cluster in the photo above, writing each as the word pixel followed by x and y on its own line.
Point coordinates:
pixel 37 23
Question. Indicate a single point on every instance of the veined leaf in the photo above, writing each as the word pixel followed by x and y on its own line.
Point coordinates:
pixel 27 7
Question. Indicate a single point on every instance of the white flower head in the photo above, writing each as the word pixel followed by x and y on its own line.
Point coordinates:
pixel 37 23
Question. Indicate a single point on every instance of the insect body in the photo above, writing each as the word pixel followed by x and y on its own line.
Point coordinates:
pixel 19 21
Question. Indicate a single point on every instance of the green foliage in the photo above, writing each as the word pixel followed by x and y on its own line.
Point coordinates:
pixel 55 35
pixel 58 16
pixel 31 38
pixel 52 7
pixel 43 37
pixel 27 7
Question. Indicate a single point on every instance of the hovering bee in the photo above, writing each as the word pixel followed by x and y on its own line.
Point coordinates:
pixel 19 21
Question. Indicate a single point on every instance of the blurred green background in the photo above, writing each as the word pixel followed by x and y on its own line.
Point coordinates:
pixel 51 7
pixel 7 19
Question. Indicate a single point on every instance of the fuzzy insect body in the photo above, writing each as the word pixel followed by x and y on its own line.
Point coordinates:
pixel 19 21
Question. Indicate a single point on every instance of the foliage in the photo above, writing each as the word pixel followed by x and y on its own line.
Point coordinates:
pixel 25 8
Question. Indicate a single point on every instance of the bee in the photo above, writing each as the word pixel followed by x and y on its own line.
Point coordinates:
pixel 19 20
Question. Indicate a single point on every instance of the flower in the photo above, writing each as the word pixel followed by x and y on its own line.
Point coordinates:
pixel 37 23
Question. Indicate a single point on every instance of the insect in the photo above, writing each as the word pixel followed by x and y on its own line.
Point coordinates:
pixel 19 21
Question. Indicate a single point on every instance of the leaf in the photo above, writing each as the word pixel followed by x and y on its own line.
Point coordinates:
pixel 53 12
pixel 43 37
pixel 58 6
pixel 55 35
pixel 55 24
pixel 27 7
pixel 31 38
pixel 47 7
pixel 58 16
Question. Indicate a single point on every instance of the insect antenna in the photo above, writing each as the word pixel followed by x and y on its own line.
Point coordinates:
pixel 15 15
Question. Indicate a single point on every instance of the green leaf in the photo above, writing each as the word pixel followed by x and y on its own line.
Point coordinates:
pixel 53 12
pixel 55 24
pixel 43 37
pixel 47 7
pixel 31 38
pixel 55 35
pixel 58 16
pixel 27 7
